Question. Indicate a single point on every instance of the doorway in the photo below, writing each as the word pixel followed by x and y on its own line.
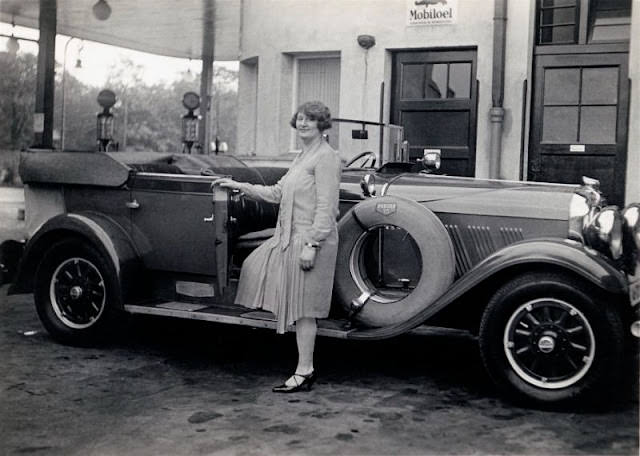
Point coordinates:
pixel 579 120
pixel 434 97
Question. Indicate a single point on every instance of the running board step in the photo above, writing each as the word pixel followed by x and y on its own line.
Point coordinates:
pixel 234 315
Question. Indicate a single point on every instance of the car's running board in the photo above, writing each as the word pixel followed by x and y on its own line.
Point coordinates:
pixel 234 315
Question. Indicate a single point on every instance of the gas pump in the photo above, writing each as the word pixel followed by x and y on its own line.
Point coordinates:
pixel 190 122
pixel 105 120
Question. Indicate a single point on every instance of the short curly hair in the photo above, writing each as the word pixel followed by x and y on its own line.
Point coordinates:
pixel 314 110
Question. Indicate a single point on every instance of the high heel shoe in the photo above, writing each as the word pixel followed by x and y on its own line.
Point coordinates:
pixel 304 385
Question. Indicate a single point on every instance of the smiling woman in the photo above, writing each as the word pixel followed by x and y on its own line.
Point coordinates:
pixel 291 274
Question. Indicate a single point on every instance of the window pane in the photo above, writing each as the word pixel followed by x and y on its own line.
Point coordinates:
pixel 436 80
pixel 558 16
pixel 598 125
pixel 548 3
pixel 610 20
pixel 600 85
pixel 560 124
pixel 459 80
pixel 412 80
pixel 561 86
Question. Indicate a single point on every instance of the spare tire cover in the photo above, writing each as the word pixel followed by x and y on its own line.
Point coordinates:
pixel 435 252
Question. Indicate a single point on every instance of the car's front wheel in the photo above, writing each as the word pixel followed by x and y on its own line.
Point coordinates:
pixel 76 292
pixel 546 338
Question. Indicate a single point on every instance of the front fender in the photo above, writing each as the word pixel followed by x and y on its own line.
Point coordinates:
pixel 100 231
pixel 561 253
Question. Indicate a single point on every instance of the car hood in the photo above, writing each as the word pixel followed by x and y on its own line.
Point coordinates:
pixel 464 195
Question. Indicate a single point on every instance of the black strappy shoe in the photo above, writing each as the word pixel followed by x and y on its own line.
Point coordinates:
pixel 304 385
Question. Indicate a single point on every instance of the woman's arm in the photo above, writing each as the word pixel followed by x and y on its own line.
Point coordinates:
pixel 327 177
pixel 268 193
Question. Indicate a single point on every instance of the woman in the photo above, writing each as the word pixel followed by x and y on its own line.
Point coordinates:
pixel 291 274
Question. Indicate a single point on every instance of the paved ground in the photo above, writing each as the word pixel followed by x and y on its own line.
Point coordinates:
pixel 167 387
pixel 177 387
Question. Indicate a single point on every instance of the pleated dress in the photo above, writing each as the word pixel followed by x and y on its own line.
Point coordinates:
pixel 271 277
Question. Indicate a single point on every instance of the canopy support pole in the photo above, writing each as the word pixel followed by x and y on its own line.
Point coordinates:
pixel 206 77
pixel 45 79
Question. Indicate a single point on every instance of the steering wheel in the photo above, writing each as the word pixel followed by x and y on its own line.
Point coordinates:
pixel 367 157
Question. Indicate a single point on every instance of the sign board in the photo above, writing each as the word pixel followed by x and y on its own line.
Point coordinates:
pixel 432 12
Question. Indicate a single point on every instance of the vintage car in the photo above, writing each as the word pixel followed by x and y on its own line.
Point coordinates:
pixel 543 274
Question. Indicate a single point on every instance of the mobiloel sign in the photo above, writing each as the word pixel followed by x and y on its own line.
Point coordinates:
pixel 428 12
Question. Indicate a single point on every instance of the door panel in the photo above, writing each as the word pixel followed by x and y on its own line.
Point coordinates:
pixel 434 99
pixel 169 225
pixel 580 120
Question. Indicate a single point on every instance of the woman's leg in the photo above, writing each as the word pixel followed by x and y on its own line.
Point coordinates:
pixel 306 329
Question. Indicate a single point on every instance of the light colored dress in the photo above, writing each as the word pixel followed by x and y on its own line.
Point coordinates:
pixel 271 277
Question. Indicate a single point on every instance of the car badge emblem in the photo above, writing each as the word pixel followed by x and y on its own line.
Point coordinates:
pixel 386 208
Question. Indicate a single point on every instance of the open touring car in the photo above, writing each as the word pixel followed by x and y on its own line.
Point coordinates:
pixel 542 273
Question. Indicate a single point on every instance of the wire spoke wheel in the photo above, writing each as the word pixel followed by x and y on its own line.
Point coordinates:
pixel 549 343
pixel 77 293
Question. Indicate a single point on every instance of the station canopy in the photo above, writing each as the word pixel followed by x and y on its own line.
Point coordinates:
pixel 164 27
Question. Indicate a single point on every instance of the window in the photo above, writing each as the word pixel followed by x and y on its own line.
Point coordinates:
pixel 319 79
pixel 609 21
pixel 428 81
pixel 557 21
pixel 580 105
pixel 583 21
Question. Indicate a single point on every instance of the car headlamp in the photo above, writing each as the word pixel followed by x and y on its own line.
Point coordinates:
pixel 368 185
pixel 578 210
pixel 631 224
pixel 631 234
pixel 604 232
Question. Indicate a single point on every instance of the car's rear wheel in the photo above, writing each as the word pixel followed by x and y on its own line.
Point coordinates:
pixel 546 338
pixel 76 292
pixel 395 256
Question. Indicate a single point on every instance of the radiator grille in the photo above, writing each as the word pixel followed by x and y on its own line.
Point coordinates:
pixel 474 243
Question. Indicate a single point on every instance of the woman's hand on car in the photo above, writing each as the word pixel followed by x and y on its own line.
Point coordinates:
pixel 226 182
pixel 307 258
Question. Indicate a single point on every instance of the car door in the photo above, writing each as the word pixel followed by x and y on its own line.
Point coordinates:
pixel 179 224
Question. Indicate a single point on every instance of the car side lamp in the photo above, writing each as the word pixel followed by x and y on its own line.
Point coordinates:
pixel 190 121
pixel 431 160
pixel 105 120
pixel 368 185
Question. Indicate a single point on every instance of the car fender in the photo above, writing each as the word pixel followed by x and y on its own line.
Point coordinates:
pixel 102 232
pixel 561 253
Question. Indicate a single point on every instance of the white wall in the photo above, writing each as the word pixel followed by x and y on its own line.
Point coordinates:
pixel 273 27
pixel 632 191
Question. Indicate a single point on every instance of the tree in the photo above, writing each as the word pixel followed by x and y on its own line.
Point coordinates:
pixel 150 115
pixel 17 100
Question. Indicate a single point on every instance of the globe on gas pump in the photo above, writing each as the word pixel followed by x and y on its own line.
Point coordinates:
pixel 190 121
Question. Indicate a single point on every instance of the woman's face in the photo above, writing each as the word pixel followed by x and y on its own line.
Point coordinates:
pixel 307 128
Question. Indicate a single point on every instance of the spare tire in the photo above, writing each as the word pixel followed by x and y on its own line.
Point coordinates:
pixel 431 245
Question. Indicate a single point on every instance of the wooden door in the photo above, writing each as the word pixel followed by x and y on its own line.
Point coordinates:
pixel 579 120
pixel 435 100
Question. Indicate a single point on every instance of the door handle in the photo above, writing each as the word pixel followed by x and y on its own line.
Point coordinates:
pixel 133 204
pixel 208 219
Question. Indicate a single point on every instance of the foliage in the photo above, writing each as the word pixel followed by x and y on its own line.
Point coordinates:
pixel 149 114
pixel 17 100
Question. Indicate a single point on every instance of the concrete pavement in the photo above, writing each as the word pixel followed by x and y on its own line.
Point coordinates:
pixel 173 387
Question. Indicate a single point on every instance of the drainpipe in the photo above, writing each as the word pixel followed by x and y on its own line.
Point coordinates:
pixel 497 87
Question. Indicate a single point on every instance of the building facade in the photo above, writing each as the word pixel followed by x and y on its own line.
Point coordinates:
pixel 515 89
